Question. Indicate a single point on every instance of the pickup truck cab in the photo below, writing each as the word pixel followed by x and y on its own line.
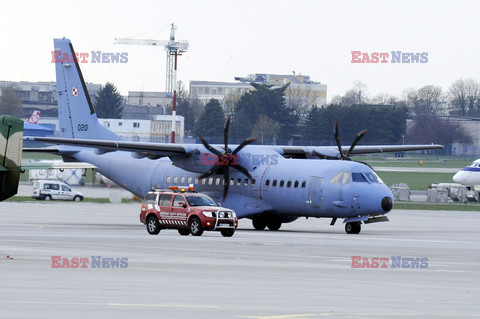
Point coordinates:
pixel 189 212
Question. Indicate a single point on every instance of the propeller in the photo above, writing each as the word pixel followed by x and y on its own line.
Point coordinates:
pixel 341 155
pixel 226 159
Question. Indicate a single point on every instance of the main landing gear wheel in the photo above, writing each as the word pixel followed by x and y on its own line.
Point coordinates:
pixel 274 225
pixel 195 227
pixel 259 223
pixel 153 226
pixel 353 228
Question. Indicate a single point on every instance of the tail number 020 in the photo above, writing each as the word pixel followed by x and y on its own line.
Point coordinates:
pixel 82 127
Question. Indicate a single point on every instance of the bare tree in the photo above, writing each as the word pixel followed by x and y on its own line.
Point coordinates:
pixel 299 100
pixel 384 99
pixel 355 96
pixel 229 102
pixel 464 96
pixel 10 102
pixel 265 129
pixel 426 101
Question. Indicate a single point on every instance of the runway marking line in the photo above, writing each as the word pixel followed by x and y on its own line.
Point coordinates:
pixel 283 316
pixel 161 305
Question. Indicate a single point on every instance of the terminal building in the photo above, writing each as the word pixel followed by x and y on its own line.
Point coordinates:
pixel 299 85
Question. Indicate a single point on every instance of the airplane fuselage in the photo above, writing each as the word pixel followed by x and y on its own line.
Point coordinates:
pixel 289 187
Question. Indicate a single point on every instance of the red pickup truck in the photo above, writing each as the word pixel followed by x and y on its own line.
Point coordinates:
pixel 189 212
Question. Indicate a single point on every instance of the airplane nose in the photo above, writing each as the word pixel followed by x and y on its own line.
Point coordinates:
pixel 387 204
pixel 458 177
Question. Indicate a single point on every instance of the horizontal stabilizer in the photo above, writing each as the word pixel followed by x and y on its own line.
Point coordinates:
pixel 56 165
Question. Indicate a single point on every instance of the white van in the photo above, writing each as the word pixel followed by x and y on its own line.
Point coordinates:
pixel 47 190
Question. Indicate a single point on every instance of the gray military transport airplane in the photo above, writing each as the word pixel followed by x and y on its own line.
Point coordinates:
pixel 270 185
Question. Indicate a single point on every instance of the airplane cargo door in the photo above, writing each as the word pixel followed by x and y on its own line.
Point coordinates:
pixel 315 192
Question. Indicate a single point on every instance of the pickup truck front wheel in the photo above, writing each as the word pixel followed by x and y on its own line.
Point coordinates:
pixel 195 226
pixel 153 226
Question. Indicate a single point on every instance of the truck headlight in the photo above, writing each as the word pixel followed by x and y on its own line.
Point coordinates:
pixel 209 214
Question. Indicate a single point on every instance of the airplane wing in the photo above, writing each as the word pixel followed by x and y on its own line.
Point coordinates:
pixel 165 149
pixel 147 149
pixel 307 151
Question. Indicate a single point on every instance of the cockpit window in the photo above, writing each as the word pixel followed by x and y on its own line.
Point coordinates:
pixel 337 179
pixel 475 164
pixel 372 178
pixel 359 178
pixel 341 178
pixel 346 178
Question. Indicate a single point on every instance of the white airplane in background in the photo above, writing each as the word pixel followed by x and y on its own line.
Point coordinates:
pixel 469 175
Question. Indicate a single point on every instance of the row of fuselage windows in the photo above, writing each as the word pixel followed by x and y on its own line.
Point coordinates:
pixel 238 182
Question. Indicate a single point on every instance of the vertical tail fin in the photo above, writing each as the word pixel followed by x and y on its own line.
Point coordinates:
pixel 76 115
pixel 11 143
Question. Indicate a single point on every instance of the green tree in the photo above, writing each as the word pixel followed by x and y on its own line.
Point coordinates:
pixel 108 102
pixel 211 123
pixel 10 103
pixel 263 99
pixel 385 124
pixel 311 131
pixel 184 108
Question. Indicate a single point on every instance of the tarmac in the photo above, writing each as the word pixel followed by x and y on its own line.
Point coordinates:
pixel 308 269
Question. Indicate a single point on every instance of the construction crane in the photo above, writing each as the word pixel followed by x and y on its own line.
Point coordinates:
pixel 173 49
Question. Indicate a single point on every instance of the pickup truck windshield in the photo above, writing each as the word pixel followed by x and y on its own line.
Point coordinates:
pixel 200 201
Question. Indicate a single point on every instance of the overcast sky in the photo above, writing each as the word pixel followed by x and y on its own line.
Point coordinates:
pixel 236 38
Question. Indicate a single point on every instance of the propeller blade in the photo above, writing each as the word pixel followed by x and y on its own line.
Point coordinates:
pixel 225 134
pixel 244 143
pixel 360 135
pixel 211 171
pixel 337 139
pixel 226 182
pixel 225 159
pixel 209 147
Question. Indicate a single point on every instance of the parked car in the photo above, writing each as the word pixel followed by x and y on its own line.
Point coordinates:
pixel 48 190
pixel 187 211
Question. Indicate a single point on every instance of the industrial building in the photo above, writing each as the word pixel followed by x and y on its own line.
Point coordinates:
pixel 156 130
pixel 299 85
pixel 41 96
